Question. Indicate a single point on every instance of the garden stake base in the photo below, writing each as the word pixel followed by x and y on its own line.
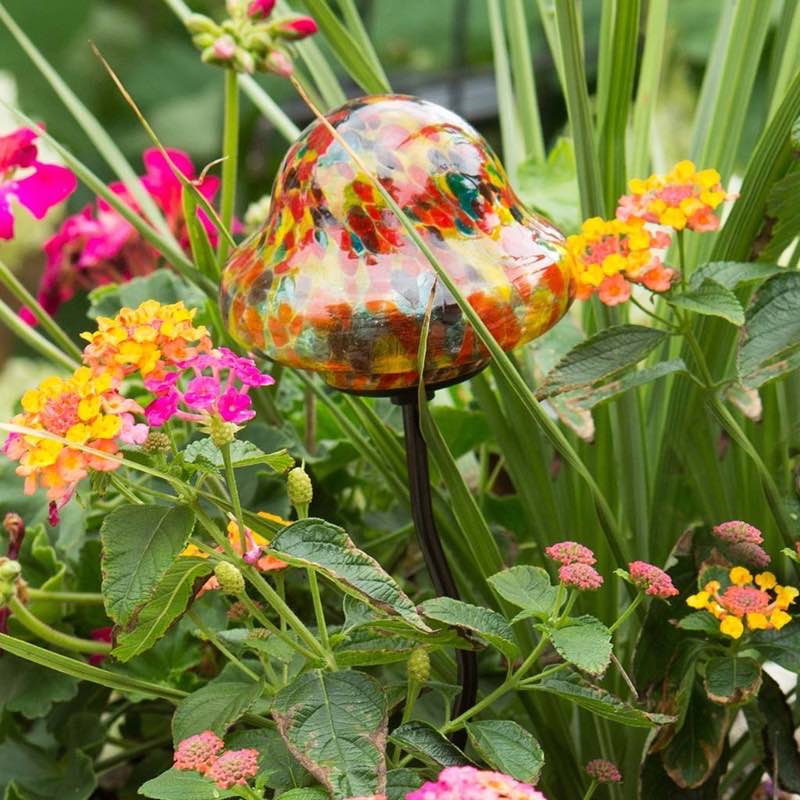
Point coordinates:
pixel 432 550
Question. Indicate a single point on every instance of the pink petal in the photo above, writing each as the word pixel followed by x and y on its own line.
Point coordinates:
pixel 17 149
pixel 48 186
pixel 6 217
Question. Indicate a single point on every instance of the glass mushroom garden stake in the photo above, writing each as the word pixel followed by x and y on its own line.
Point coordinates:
pixel 333 283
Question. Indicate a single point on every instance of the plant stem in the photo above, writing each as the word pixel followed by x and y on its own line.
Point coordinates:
pixel 75 598
pixel 119 758
pixel 319 612
pixel 627 612
pixel 214 639
pixel 51 635
pixel 233 490
pixel 256 613
pixel 230 152
pixel 591 790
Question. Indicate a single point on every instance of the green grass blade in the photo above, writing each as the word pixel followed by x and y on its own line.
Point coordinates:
pixel 647 88
pixel 605 55
pixel 346 49
pixel 787 50
pixel 358 31
pixel 547 16
pixel 579 110
pixel 91 127
pixel 524 81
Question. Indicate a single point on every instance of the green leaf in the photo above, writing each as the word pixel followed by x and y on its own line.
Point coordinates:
pixel 608 352
pixel 303 794
pixel 732 274
pixel 205 453
pixel 778 735
pixel 400 782
pixel 711 300
pixel 507 747
pixel 772 327
pixel 42 776
pixel 552 187
pixel 487 624
pixel 731 680
pixel 586 643
pixel 175 784
pixel 422 740
pixel 700 621
pixel 365 648
pixel 600 702
pixel 784 212
pixel 214 707
pixel 140 542
pixel 463 430
pixel 782 647
pixel 335 726
pixel 170 598
pixel 526 587
pixel 284 772
pixel 30 689
pixel 318 544
pixel 162 285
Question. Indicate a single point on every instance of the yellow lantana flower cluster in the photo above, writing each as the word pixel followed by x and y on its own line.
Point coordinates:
pixel 145 339
pixel 758 602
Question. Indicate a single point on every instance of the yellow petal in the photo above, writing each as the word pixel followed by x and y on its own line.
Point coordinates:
pixel 88 408
pixel 78 433
pixel 778 619
pixel 765 580
pixel 673 218
pixel 708 178
pixel 757 622
pixel 731 626
pixel 32 401
pixel 698 600
pixel 741 576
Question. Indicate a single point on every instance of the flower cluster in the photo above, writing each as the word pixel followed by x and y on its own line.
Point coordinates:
pixel 683 198
pixel 204 753
pixel 576 570
pixel 98 245
pixel 468 783
pixel 249 40
pixel 610 255
pixel 603 771
pixel 31 183
pixel 651 580
pixel 84 409
pixel 761 606
pixel 742 543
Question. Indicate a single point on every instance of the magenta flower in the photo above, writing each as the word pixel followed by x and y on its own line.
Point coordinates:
pixel 261 8
pixel 468 783
pixel 570 553
pixel 31 183
pixel 296 28
pixel 651 580
pixel 197 396
pixel 580 576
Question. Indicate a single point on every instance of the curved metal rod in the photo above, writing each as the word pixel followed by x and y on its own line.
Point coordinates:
pixel 432 550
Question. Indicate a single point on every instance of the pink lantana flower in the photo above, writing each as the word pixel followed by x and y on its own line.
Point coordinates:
pixel 209 385
pixel 31 183
pixel 468 783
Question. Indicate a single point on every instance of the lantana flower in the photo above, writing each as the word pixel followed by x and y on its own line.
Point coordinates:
pixel 651 580
pixel 234 768
pixel 98 245
pixel 757 602
pixel 569 552
pixel 33 184
pixel 468 783
pixel 198 753
pixel 204 753
pixel 611 255
pixel 603 771
pixel 683 198
pixel 742 542
pixel 85 409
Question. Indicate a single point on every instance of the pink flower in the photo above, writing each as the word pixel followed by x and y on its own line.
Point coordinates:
pixel 33 184
pixel 261 8
pixel 651 580
pixel 206 396
pixel 570 553
pixel 296 28
pixel 603 771
pixel 100 635
pixel 580 576
pixel 468 783
pixel 749 553
pixel 614 290
pixel 224 48
pixel 738 532
pixel 198 752
pixel 234 768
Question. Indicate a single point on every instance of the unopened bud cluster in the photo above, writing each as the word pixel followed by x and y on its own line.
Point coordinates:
pixel 231 580
pixel 419 666
pixel 249 41
pixel 9 573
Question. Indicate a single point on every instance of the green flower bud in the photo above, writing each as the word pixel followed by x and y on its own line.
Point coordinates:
pixel 300 490
pixel 230 578
pixel 221 432
pixel 259 633
pixel 419 666
pixel 199 23
pixel 157 442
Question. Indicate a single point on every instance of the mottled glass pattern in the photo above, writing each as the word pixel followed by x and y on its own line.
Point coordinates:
pixel 333 283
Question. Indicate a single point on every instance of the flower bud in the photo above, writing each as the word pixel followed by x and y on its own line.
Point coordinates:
pixel 278 63
pixel 157 442
pixel 14 526
pixel 230 578
pixel 419 666
pixel 244 61
pixel 299 489
pixel 9 573
pixel 224 48
pixel 260 8
pixel 295 28
pixel 199 23
pixel 259 633
pixel 221 432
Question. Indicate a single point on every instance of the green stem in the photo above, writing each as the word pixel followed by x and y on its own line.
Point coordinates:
pixel 75 598
pixel 230 152
pixel 319 612
pixel 233 490
pixel 124 490
pixel 126 755
pixel 591 790
pixel 665 322
pixel 413 689
pixel 627 612
pixel 51 635
pixel 214 639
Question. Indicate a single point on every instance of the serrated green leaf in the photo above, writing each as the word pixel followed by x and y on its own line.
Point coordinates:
pixel 170 598
pixel 784 211
pixel 605 354
pixel 772 325
pixel 586 643
pixel 175 784
pixel 303 794
pixel 778 735
pixel 243 454
pixel 335 726
pixel 782 647
pixel 710 299
pixel 162 285
pixel 422 740
pixel 30 689
pixel 41 776
pixel 365 648
pixel 732 680
pixel 700 621
pixel 327 548
pixel 732 274
pixel 140 542
pixel 526 587
pixel 507 747
pixel 214 707
pixel 400 782
pixel 600 702
pixel 487 624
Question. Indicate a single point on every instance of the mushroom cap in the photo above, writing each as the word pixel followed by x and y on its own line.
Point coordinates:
pixel 333 283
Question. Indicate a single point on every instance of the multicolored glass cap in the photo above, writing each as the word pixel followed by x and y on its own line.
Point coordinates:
pixel 333 283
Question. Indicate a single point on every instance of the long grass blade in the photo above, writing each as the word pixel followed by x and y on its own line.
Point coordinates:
pixel 787 51
pixel 358 31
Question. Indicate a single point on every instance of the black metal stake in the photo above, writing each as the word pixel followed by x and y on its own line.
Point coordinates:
pixel 432 550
